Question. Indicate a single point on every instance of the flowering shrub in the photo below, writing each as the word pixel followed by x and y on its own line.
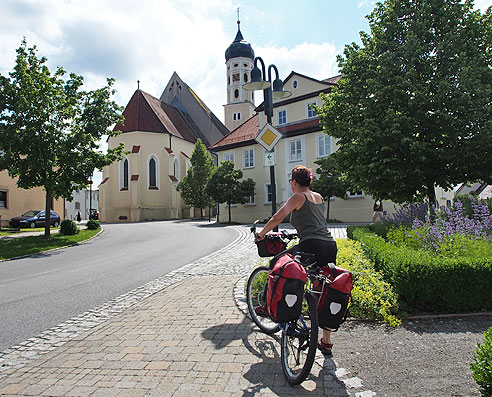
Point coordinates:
pixel 450 225
pixel 406 214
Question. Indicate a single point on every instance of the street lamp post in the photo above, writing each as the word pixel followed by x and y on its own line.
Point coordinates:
pixel 276 90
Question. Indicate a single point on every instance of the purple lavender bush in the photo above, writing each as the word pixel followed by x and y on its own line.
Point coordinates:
pixel 444 231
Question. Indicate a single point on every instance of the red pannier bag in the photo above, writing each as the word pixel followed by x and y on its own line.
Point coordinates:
pixel 271 245
pixel 285 289
pixel 335 296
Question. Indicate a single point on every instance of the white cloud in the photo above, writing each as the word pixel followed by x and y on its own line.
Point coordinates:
pixel 483 4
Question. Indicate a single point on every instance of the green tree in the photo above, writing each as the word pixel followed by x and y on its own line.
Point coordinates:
pixel 50 127
pixel 192 186
pixel 413 108
pixel 225 185
pixel 330 182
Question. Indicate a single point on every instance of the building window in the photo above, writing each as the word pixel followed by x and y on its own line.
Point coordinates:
pixel 245 77
pixel 355 194
pixel 268 193
pixel 3 199
pixel 295 84
pixel 153 172
pixel 236 93
pixel 282 116
pixel 323 145
pixel 124 174
pixel 152 178
pixel 310 110
pixel 229 156
pixel 77 205
pixel 176 169
pixel 236 116
pixel 249 158
pixel 295 150
pixel 251 200
pixel 235 77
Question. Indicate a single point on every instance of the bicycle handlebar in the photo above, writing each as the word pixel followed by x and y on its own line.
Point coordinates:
pixel 285 233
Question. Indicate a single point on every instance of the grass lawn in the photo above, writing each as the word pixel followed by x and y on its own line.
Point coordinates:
pixel 8 231
pixel 30 245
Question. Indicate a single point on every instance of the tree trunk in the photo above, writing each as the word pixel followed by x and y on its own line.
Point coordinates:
pixel 47 215
pixel 431 196
pixel 327 209
pixel 201 213
pixel 229 212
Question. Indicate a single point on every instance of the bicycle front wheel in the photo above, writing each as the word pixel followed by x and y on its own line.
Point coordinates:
pixel 256 289
pixel 298 345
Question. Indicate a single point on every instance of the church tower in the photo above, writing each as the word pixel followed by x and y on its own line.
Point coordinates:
pixel 239 61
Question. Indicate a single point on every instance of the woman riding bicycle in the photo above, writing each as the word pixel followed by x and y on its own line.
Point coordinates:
pixel 307 209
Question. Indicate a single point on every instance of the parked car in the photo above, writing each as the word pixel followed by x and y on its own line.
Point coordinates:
pixel 94 215
pixel 34 218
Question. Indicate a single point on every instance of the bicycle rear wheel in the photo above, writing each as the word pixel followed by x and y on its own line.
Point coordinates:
pixel 256 296
pixel 298 345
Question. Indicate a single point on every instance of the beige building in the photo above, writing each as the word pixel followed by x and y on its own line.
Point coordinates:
pixel 15 201
pixel 303 142
pixel 160 136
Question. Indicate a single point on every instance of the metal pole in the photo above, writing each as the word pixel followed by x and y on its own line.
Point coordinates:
pixel 90 198
pixel 267 94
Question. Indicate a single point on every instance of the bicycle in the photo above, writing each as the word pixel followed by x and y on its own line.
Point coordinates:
pixel 300 336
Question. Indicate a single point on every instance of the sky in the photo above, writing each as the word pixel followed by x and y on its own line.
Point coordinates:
pixel 147 40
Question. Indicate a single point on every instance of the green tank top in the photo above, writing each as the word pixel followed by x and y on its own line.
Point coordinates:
pixel 309 221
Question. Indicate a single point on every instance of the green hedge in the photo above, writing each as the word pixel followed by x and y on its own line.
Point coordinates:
pixel 431 283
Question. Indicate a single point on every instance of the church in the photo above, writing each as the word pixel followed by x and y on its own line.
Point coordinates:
pixel 160 135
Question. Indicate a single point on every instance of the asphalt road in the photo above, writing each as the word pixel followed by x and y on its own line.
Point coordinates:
pixel 44 290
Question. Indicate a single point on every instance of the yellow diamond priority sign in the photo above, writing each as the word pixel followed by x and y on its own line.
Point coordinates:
pixel 268 137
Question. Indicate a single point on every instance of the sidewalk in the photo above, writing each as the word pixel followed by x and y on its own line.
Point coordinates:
pixel 182 334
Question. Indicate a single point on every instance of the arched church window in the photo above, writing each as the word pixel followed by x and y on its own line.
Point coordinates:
pixel 245 77
pixel 124 174
pixel 152 176
pixel 153 179
pixel 236 93
pixel 176 168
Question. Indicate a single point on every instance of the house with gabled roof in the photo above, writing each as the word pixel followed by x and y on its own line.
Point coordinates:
pixel 480 189
pixel 160 135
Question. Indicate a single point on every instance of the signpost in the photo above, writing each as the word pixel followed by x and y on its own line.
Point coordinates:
pixel 268 137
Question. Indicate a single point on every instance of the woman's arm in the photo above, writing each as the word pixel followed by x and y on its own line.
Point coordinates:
pixel 293 203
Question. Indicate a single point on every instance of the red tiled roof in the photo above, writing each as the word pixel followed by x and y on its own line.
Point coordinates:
pixel 333 79
pixel 302 125
pixel 147 113
pixel 245 132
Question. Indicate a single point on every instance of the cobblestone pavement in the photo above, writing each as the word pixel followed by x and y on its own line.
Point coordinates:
pixel 181 334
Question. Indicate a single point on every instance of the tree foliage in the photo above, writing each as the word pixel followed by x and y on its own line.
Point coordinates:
pixel 331 182
pixel 225 185
pixel 50 127
pixel 192 186
pixel 413 107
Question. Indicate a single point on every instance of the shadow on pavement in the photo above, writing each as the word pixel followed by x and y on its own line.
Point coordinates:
pixel 268 374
